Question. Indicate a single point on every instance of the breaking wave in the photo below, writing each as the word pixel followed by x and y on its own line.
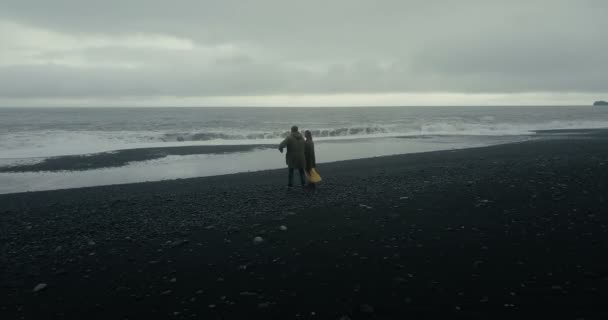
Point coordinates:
pixel 318 133
pixel 45 143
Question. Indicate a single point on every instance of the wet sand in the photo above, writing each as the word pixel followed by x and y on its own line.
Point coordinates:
pixel 510 231
pixel 123 157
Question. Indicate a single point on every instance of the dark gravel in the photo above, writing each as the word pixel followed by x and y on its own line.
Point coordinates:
pixel 512 231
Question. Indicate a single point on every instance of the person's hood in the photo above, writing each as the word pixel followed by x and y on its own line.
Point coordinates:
pixel 297 135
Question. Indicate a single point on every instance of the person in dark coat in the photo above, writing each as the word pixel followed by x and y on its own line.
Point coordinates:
pixel 309 155
pixel 294 157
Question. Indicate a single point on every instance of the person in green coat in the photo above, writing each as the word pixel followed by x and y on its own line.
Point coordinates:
pixel 294 157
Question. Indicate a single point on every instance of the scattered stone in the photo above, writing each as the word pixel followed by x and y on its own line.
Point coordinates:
pixel 173 280
pixel 264 305
pixel 283 228
pixel 60 272
pixel 366 308
pixel 165 293
pixel 477 263
pixel 91 242
pixel 40 287
pixel 181 243
pixel 364 206
pixel 258 240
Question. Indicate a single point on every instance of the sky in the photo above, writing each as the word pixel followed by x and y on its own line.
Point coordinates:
pixel 301 53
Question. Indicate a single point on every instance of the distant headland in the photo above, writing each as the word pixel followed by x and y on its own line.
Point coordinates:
pixel 600 103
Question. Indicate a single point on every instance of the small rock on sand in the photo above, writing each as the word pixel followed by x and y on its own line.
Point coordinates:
pixel 366 308
pixel 39 287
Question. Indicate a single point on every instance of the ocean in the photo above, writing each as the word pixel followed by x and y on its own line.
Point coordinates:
pixel 30 135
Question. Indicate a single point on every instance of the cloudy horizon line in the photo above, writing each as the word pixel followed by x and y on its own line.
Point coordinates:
pixel 333 100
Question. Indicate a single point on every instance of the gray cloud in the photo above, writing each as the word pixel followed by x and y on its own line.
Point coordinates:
pixel 113 48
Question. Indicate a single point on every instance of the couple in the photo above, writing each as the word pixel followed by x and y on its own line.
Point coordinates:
pixel 300 155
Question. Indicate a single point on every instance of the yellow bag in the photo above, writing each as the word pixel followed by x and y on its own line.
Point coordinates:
pixel 313 176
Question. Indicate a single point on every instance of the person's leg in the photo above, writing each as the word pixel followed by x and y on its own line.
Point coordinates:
pixel 290 181
pixel 302 178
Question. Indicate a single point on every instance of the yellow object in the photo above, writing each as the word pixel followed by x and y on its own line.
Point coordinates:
pixel 313 176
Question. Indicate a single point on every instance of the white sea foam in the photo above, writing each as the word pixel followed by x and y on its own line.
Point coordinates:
pixel 59 134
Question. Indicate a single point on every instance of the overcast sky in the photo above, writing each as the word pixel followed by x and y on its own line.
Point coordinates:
pixel 313 52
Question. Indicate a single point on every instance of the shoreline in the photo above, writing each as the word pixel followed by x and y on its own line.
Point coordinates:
pixel 122 157
pixel 133 172
pixel 514 230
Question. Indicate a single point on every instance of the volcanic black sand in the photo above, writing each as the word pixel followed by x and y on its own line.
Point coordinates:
pixel 511 231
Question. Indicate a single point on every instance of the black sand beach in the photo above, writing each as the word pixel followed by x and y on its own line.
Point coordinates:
pixel 510 231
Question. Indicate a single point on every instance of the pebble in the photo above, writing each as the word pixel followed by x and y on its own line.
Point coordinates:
pixel 258 240
pixel 366 308
pixel 60 272
pixel 39 287
pixel 283 228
